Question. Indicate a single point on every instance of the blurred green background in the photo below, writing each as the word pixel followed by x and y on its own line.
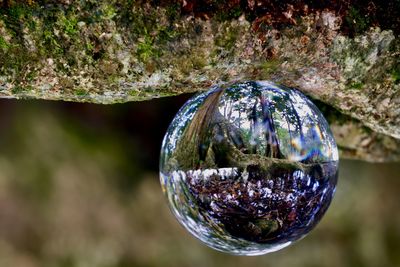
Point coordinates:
pixel 79 187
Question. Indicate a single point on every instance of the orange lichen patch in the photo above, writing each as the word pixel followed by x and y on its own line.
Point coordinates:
pixel 304 40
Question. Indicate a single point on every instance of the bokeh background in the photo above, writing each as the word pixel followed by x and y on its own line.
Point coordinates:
pixel 79 187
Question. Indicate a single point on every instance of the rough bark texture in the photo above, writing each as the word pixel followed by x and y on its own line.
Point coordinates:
pixel 342 53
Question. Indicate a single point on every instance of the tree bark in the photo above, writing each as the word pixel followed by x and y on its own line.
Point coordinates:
pixel 342 53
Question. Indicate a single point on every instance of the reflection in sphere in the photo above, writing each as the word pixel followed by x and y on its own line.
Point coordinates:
pixel 250 168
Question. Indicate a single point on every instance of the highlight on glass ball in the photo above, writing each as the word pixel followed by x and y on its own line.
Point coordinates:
pixel 250 168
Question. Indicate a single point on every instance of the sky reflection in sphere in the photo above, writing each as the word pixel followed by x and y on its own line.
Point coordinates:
pixel 250 168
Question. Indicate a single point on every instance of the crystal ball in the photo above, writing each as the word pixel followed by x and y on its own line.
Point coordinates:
pixel 249 168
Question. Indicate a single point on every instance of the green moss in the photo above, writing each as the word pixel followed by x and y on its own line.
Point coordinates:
pixel 152 28
pixel 13 18
pixel 52 42
pixel 3 43
pixel 19 16
pixel 133 93
pixel 146 50
pixel 19 11
pixel 152 35
pixel 199 61
pixel 13 63
pixel 270 66
pixel 80 92
pixel 167 34
pixel 89 47
pixel 227 39
pixel 69 25
pixel 396 74
pixel 21 89
pixel 30 76
pixel 21 21
pixel 109 11
pixel 356 85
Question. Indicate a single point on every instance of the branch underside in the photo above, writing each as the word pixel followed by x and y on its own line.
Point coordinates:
pixel 118 51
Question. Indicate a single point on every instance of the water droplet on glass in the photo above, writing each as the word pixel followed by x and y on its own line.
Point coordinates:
pixel 249 169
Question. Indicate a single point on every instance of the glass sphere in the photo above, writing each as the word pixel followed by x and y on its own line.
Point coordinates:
pixel 250 168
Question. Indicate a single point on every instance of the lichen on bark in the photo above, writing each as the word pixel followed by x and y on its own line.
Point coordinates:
pixel 338 52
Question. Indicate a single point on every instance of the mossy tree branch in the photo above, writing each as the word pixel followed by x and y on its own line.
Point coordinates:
pixel 342 53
